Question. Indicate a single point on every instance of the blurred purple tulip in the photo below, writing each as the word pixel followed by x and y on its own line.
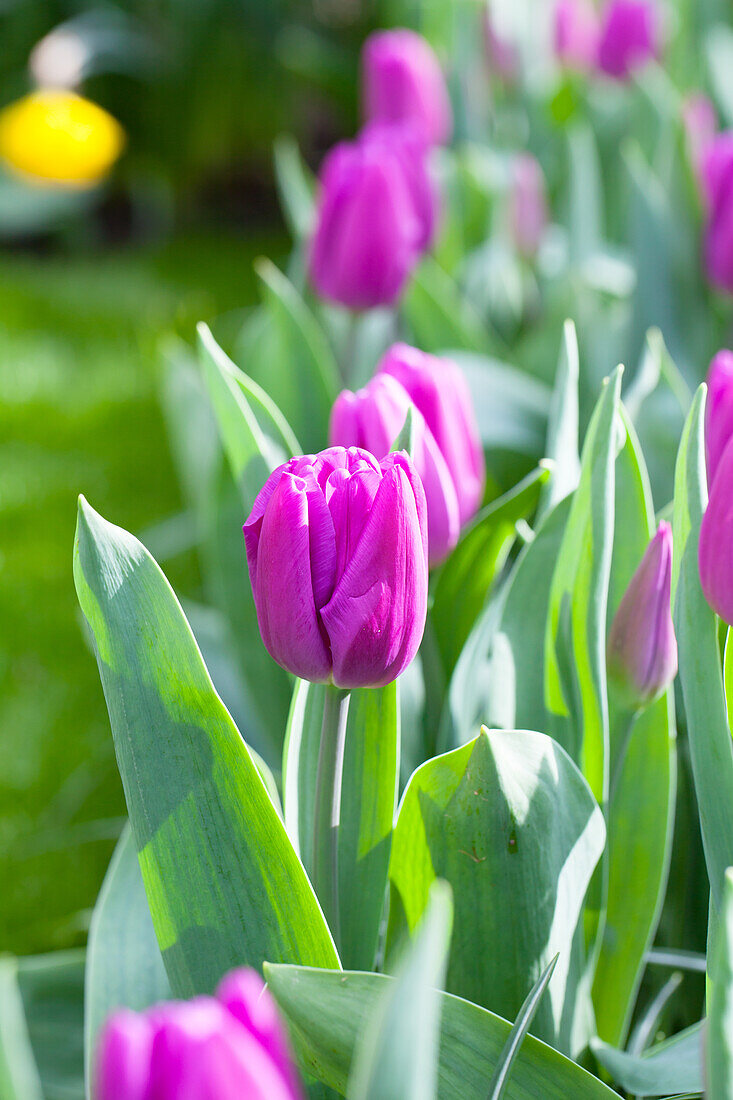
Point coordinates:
pixel 715 556
pixel 628 36
pixel 717 174
pixel 576 33
pixel 404 143
pixel 226 1047
pixel 719 410
pixel 404 83
pixel 501 54
pixel 700 122
pixel 337 552
pixel 528 204
pixel 642 649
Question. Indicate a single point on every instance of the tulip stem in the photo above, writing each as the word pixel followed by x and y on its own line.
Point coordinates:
pixel 327 810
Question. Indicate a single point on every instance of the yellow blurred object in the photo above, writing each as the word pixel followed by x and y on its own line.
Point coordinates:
pixel 56 136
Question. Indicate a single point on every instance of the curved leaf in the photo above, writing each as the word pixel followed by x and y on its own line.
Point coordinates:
pixel 719 1039
pixel 674 1066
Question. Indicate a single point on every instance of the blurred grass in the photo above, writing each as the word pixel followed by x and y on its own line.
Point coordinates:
pixel 79 413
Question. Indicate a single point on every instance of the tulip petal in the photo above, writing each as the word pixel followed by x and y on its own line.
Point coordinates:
pixel 122 1061
pixel 715 551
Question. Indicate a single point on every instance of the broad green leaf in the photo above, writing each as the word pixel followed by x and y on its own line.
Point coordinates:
pixel 575 639
pixel 224 884
pixel 398 1057
pixel 674 1066
pixel 562 424
pixel 511 406
pixel 719 1038
pixel 328 1010
pixel 642 784
pixel 696 626
pixel 19 1079
pixel 438 316
pixel 464 581
pixel 368 798
pixel 124 967
pixel 510 807
pixel 295 187
pixel 301 375
pixel 52 988
pixel 518 1033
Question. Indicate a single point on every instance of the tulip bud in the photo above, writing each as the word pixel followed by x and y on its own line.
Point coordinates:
pixel 576 34
pixel 439 391
pixel 719 410
pixel 642 649
pixel 628 37
pixel 717 172
pixel 409 148
pixel 228 1047
pixel 337 551
pixel 371 227
pixel 403 83
pixel 528 204
pixel 372 418
pixel 716 539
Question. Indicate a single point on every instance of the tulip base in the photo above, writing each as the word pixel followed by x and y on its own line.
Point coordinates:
pixel 327 811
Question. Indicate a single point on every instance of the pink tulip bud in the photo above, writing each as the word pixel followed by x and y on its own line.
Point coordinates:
pixel 642 649
pixel 716 540
pixel 719 410
pixel 528 204
pixel 576 34
pixel 717 174
pixel 403 83
pixel 228 1047
pixel 628 38
pixel 337 551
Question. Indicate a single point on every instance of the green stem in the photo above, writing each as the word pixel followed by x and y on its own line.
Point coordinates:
pixel 327 811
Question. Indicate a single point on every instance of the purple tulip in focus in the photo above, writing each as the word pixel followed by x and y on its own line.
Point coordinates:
pixel 628 37
pixel 642 649
pixel 337 551
pixel 719 410
pixel 528 204
pixel 717 172
pixel 227 1047
pixel 576 34
pixel 403 83
pixel 715 550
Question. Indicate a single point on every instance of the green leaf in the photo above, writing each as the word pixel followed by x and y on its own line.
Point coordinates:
pixel 52 988
pixel 719 1038
pixel 19 1079
pixel 719 48
pixel 511 406
pixel 328 1010
pixel 575 640
pixel 224 884
pixel 405 439
pixel 674 1066
pixel 368 798
pixel 397 1058
pixel 511 808
pixel 464 581
pixel 562 425
pixel 438 316
pixel 696 626
pixel 585 196
pixel 294 186
pixel 124 965
pixel 518 1033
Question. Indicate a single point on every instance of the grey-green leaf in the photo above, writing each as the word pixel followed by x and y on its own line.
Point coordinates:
pixel 518 1033
pixel 671 1067
pixel 719 1039
pixel 19 1079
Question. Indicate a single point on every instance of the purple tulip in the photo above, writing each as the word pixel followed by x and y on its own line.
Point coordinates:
pixel 372 418
pixel 717 173
pixel 528 204
pixel 337 551
pixel 405 144
pixel 403 83
pixel 227 1047
pixel 719 410
pixel 628 36
pixel 501 53
pixel 576 34
pixel 373 221
pixel 715 557
pixel 642 649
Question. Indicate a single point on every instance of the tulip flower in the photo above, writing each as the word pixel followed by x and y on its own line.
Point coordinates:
pixel 576 34
pixel 715 556
pixel 371 225
pixel 628 36
pixel 403 82
pixel 501 53
pixel 225 1047
pixel 56 136
pixel 337 554
pixel 528 204
pixel 642 649
pixel 717 173
pixel 409 148
pixel 719 410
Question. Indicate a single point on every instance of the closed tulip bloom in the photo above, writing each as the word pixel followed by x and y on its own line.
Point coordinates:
pixel 719 410
pixel 642 649
pixel 717 172
pixel 227 1047
pixel 628 36
pixel 576 34
pixel 439 391
pixel 372 418
pixel 715 550
pixel 403 82
pixel 337 554
pixel 501 53
pixel 409 148
pixel 528 204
